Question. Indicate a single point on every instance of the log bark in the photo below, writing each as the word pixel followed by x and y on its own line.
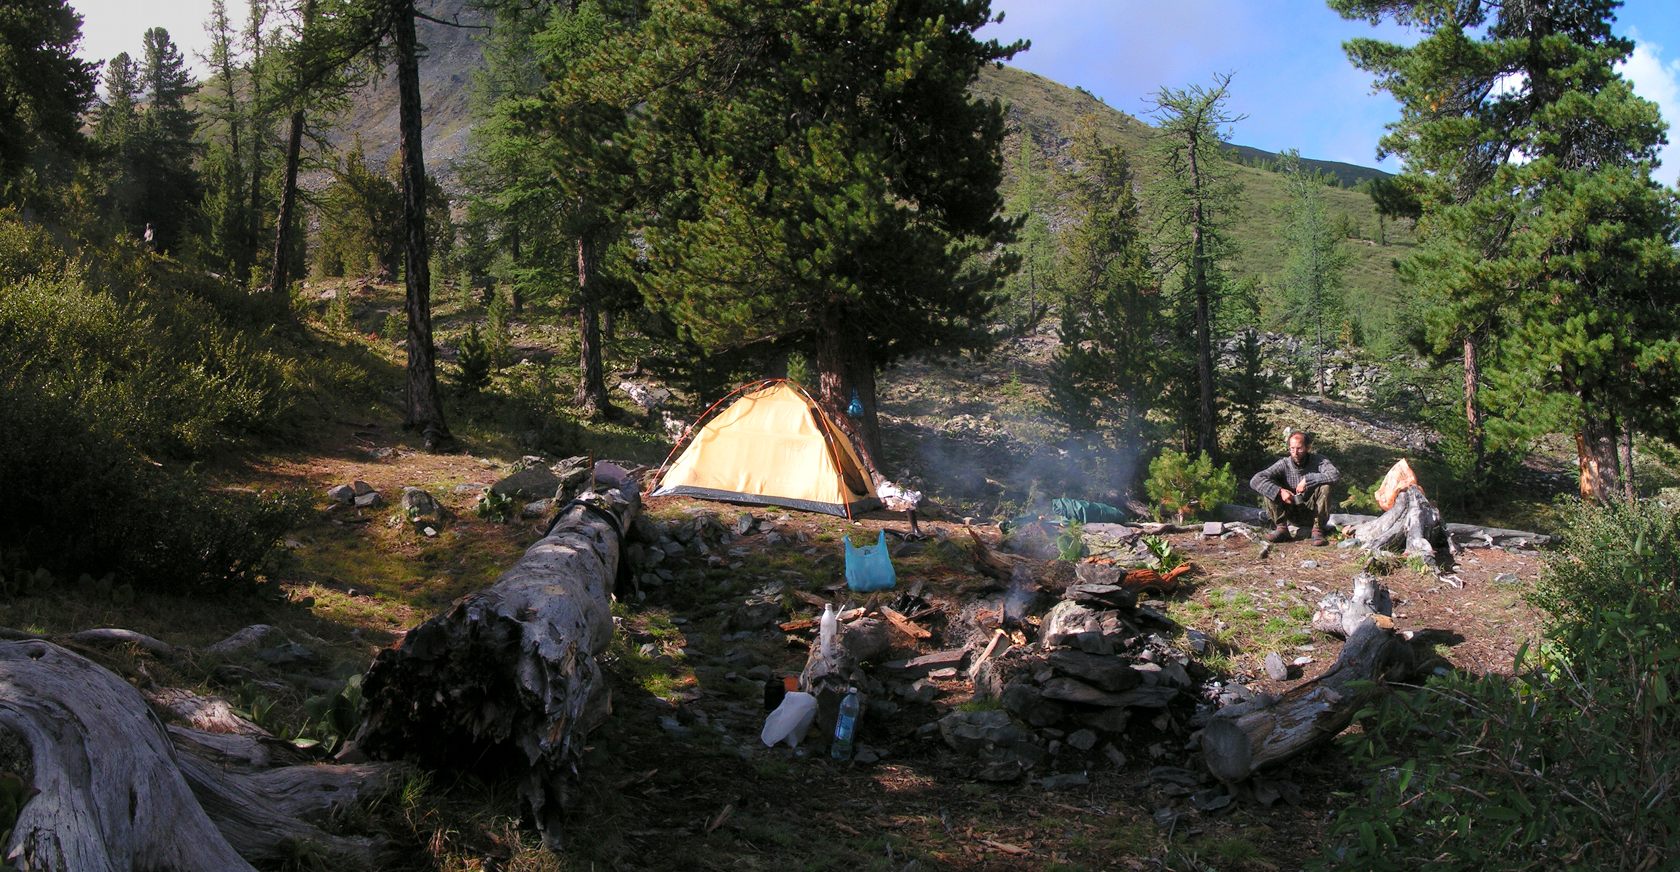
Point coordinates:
pixel 1243 738
pixel 1341 614
pixel 509 676
pixel 117 790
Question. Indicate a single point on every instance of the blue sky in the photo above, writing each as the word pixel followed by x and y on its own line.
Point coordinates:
pixel 1289 75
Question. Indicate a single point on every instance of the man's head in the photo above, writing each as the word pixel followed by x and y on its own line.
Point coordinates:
pixel 1300 442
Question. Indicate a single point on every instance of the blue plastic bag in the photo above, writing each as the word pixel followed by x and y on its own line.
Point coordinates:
pixel 870 567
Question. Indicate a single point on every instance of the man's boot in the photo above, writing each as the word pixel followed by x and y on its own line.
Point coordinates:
pixel 1281 534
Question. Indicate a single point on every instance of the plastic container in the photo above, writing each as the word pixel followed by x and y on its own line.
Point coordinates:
pixel 790 720
pixel 846 725
pixel 869 567
pixel 830 626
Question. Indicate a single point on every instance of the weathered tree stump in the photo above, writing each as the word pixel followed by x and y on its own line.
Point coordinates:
pixel 1412 527
pixel 1245 737
pixel 509 675
pixel 113 791
pixel 1340 614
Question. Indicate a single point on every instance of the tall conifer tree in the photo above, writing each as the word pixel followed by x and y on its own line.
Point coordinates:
pixel 1548 251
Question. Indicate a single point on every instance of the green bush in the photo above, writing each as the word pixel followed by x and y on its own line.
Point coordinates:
pixel 474 358
pixel 1571 762
pixel 1605 555
pixel 1186 488
pixel 108 393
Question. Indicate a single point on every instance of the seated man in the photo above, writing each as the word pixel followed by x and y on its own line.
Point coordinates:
pixel 1297 488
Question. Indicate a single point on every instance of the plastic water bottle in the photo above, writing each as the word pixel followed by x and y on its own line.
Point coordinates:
pixel 830 626
pixel 846 725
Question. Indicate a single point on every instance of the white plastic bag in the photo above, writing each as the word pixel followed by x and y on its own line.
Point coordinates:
pixel 790 720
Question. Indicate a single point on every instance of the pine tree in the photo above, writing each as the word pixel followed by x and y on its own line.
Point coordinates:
pixel 170 186
pixel 116 131
pixel 1026 292
pixel 1106 373
pixel 1312 302
pixel 1548 251
pixel 825 181
pixel 1195 200
pixel 226 114
pixel 44 89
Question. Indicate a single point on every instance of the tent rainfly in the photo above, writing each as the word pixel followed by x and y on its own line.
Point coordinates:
pixel 773 445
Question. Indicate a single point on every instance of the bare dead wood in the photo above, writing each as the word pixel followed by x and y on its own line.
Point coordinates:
pixel 1243 738
pixel 904 624
pixel 1412 527
pixel 795 626
pixel 1465 535
pixel 991 562
pixel 510 675
pixel 118 636
pixel 206 714
pixel 1340 614
pixel 116 790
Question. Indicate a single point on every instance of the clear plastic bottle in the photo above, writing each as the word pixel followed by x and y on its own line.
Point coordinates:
pixel 846 725
pixel 830 626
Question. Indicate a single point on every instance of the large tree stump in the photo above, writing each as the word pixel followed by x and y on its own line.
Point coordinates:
pixel 1245 737
pixel 509 675
pixel 1412 526
pixel 114 792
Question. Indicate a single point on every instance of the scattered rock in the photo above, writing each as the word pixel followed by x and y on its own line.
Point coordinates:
pixel 1276 669
pixel 361 488
pixel 369 500
pixel 532 483
pixel 421 507
pixel 343 494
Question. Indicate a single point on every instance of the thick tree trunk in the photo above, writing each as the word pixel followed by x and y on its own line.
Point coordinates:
pixel 592 399
pixel 1245 737
pixel 843 366
pixel 1596 453
pixel 1629 493
pixel 510 675
pixel 1341 614
pixel 425 404
pixel 116 790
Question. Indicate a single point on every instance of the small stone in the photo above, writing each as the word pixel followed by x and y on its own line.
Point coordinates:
pixel 1309 564
pixel 429 531
pixel 744 523
pixel 1506 578
pixel 342 494
pixel 1198 640
pixel 1084 740
pixel 361 487
pixel 1275 668
pixel 1213 528
pixel 1301 661
pixel 368 500
pixel 1211 799
pixel 1165 817
pixel 944 674
pixel 866 755
pixel 1116 757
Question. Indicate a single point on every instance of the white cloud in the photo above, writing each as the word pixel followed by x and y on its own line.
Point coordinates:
pixel 1658 81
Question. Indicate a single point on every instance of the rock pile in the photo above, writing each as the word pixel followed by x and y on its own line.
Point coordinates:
pixel 1101 683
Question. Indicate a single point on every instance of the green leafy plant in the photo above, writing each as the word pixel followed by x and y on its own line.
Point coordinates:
pixel 332 717
pixel 1070 542
pixel 495 507
pixel 1166 556
pixel 395 328
pixel 1186 488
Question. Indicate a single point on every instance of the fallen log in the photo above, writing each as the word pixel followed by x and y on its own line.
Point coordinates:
pixel 113 789
pixel 510 675
pixel 1412 527
pixel 1465 535
pixel 1341 614
pixel 1243 738
pixel 991 562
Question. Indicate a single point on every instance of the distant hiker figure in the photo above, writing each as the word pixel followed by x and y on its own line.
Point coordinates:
pixel 147 237
pixel 1297 489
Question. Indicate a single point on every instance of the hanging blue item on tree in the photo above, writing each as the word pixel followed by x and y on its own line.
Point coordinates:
pixel 870 567
pixel 856 408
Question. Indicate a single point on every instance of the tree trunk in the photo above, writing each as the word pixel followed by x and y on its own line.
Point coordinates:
pixel 1206 417
pixel 1474 432
pixel 509 676
pixel 843 367
pixel 280 271
pixel 1596 452
pixel 425 404
pixel 1629 493
pixel 1243 738
pixel 115 789
pixel 1341 614
pixel 592 399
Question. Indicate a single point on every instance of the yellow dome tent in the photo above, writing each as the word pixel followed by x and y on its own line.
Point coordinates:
pixel 773 445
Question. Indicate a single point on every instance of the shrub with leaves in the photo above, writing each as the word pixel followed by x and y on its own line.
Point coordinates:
pixel 1607 554
pixel 1571 762
pixel 1186 488
pixel 495 507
